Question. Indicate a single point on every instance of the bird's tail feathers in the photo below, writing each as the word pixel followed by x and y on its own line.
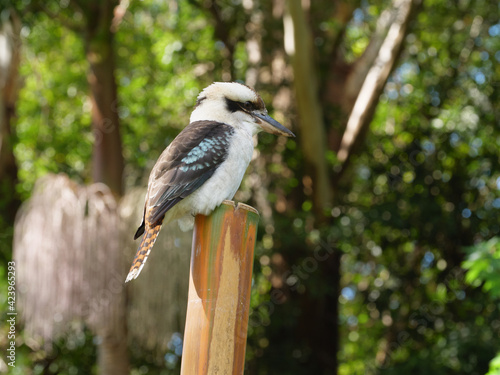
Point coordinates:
pixel 143 251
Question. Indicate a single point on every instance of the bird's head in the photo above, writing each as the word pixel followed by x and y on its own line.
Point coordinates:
pixel 237 105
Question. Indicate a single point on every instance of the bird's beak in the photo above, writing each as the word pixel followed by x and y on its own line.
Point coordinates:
pixel 270 125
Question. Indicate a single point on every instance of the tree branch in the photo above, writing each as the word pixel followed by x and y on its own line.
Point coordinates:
pixel 342 15
pixel 362 66
pixel 118 14
pixel 375 79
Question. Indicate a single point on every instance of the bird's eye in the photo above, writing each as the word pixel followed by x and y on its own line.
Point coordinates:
pixel 248 106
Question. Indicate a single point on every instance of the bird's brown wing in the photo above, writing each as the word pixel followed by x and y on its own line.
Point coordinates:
pixel 185 165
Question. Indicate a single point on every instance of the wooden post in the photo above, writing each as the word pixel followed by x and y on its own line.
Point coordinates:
pixel 219 291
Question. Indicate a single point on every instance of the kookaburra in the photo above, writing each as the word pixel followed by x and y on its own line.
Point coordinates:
pixel 205 163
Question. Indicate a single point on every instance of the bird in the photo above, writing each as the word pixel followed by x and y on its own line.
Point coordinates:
pixel 205 164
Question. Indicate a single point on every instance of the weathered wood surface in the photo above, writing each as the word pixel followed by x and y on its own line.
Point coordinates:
pixel 219 291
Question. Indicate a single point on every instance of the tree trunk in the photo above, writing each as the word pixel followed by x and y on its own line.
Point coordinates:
pixel 9 87
pixel 318 325
pixel 298 45
pixel 112 353
pixel 107 158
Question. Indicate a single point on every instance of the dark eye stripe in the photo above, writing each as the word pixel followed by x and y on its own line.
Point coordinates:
pixel 232 106
pixel 248 106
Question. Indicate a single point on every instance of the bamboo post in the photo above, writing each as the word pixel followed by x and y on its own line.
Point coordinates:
pixel 219 291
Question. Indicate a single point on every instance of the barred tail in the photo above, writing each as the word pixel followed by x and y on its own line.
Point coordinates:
pixel 143 251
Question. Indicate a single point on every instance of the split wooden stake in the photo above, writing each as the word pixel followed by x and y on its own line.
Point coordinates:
pixel 219 291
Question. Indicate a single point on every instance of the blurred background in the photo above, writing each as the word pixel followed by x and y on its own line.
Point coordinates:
pixel 378 248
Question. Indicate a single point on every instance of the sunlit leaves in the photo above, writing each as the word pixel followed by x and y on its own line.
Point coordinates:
pixel 52 108
pixel 483 266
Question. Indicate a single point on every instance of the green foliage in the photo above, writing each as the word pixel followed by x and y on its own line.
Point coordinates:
pixel 53 127
pixel 483 266
pixel 74 354
pixel 426 185
pixel 494 366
